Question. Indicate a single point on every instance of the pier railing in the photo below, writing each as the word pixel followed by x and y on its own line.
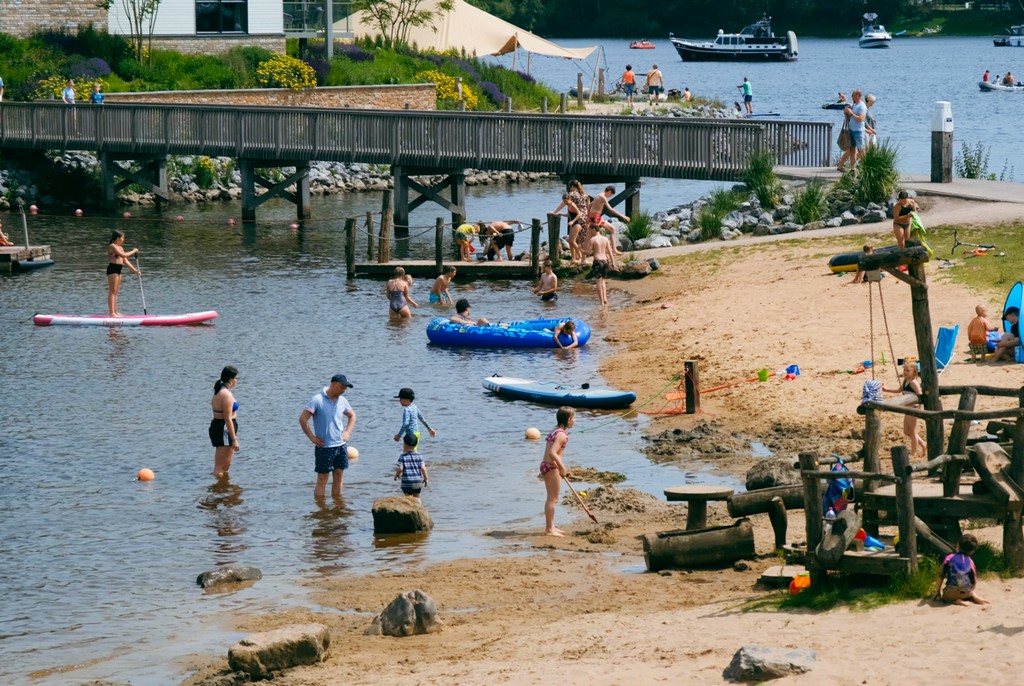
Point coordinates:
pixel 566 144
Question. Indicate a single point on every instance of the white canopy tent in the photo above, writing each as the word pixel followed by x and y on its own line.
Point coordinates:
pixel 469 29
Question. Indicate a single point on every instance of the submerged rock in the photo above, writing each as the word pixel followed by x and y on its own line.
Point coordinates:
pixel 400 515
pixel 228 575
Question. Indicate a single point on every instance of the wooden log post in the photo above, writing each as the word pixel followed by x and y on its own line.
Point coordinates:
pixel 1013 533
pixel 544 105
pixel 600 82
pixel 563 102
pixel 370 253
pixel 683 549
pixel 535 248
pixel 579 89
pixel 554 240
pixel 812 512
pixel 952 470
pixel 926 357
pixel 872 441
pixel 905 519
pixel 691 385
pixel 386 215
pixel 759 501
pixel 439 244
pixel 350 247
pixel 777 516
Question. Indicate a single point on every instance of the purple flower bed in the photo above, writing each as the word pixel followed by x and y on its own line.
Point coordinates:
pixel 466 67
pixel 526 77
pixel 493 92
pixel 91 69
pixel 352 52
pixel 321 67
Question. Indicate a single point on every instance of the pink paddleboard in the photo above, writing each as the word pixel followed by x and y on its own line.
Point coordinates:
pixel 128 320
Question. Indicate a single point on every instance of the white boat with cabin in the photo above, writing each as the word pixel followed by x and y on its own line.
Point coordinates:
pixel 1014 38
pixel 755 43
pixel 873 34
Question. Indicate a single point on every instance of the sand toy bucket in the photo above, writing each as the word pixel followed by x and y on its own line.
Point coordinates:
pixel 762 374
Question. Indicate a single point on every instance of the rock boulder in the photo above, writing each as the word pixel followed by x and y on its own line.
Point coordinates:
pixel 412 612
pixel 757 663
pixel 775 471
pixel 400 515
pixel 228 575
pixel 261 654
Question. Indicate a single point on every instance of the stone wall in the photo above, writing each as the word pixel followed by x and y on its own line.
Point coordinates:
pixel 22 17
pixel 416 96
pixel 214 45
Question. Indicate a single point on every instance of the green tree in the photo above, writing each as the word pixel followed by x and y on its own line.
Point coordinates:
pixel 394 18
pixel 141 16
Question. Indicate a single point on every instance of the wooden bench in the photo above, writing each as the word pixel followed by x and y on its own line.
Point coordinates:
pixel 696 497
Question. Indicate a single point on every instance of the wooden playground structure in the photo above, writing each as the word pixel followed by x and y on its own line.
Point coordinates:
pixel 927 501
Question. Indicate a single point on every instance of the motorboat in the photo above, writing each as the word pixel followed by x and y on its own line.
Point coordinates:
pixel 1014 38
pixel 755 43
pixel 992 87
pixel 641 45
pixel 873 34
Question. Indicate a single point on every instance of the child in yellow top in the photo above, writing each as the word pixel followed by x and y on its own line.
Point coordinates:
pixel 464 237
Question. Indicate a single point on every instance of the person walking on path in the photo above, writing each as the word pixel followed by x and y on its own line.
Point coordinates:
pixel 552 466
pixel 870 123
pixel 629 84
pixel 655 85
pixel 329 434
pixel 224 425
pixel 857 113
pixel 748 94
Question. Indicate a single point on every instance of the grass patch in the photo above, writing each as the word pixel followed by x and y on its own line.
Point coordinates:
pixel 989 274
pixel 810 202
pixel 761 178
pixel 639 226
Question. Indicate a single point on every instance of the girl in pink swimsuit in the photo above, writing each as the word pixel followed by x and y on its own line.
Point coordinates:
pixel 552 468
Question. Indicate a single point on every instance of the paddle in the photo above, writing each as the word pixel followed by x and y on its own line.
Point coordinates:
pixel 141 289
pixel 24 221
pixel 580 500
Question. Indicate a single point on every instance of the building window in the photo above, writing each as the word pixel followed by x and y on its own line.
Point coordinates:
pixel 222 16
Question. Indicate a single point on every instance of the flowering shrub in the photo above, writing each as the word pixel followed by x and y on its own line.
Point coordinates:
pixel 282 71
pixel 493 92
pixel 91 69
pixel 525 77
pixel 447 90
pixel 204 173
pixel 352 52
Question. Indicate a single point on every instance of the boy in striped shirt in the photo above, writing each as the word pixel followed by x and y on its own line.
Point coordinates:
pixel 410 467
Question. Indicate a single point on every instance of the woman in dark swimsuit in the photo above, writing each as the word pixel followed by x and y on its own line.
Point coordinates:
pixel 901 218
pixel 398 296
pixel 224 426
pixel 117 258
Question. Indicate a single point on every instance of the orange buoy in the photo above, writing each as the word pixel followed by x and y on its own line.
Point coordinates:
pixel 533 433
pixel 353 454
pixel 146 474
pixel 127 215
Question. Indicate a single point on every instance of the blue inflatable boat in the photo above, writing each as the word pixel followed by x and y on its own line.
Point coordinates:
pixel 533 333
pixel 550 393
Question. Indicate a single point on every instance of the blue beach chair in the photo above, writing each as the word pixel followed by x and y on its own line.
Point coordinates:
pixel 945 342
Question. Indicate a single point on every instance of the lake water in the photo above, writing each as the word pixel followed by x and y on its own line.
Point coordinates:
pixel 98 570
pixel 908 79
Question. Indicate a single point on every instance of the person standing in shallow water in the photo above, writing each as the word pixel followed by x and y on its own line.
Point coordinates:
pixel 117 259
pixel 552 466
pixel 329 435
pixel 224 425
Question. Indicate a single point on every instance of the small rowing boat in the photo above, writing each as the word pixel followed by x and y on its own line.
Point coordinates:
pixel 128 320
pixel 551 393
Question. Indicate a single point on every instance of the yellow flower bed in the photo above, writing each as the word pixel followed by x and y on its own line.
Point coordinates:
pixel 51 87
pixel 447 89
pixel 282 71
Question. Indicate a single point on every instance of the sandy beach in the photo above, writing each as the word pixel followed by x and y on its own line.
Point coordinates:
pixel 582 609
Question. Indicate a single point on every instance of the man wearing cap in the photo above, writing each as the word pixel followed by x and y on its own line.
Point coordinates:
pixel 327 434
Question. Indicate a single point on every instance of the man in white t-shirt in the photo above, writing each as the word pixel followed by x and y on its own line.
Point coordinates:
pixel 857 113
pixel 328 434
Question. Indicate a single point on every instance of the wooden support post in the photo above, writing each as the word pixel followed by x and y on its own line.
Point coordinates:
pixel 812 513
pixel 401 196
pixel 439 244
pixel 951 471
pixel 691 385
pixel 544 105
pixel 777 516
pixel 350 247
pixel 579 89
pixel 303 202
pixel 562 102
pixel 632 193
pixel 458 193
pixel 508 104
pixel 872 441
pixel 1013 533
pixel 926 357
pixel 247 176
pixel 370 253
pixel 384 251
pixel 535 249
pixel 600 82
pixel 554 240
pixel 905 507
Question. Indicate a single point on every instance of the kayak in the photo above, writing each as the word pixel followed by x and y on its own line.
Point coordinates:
pixel 550 393
pixel 847 261
pixel 835 105
pixel 128 320
pixel 533 333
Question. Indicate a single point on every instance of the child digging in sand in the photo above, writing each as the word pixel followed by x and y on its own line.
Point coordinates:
pixel 960 574
pixel 977 334
pixel 552 468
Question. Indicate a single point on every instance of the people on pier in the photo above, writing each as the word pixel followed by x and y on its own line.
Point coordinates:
pixel 464 238
pixel 224 425
pixel 502 236
pixel 595 215
pixel 117 260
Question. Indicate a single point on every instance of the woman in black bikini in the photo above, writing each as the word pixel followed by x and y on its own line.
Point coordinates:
pixel 901 218
pixel 117 258
pixel 224 426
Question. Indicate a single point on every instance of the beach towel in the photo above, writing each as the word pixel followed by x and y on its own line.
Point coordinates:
pixel 872 392
pixel 919 233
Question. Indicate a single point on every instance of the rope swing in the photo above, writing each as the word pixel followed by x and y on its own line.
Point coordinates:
pixel 875 277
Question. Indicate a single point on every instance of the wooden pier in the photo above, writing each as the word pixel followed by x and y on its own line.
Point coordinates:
pixel 15 258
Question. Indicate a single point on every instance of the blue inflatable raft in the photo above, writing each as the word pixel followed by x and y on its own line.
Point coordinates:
pixel 550 393
pixel 533 333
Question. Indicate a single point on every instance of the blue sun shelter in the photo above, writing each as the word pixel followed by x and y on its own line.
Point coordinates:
pixel 1015 298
